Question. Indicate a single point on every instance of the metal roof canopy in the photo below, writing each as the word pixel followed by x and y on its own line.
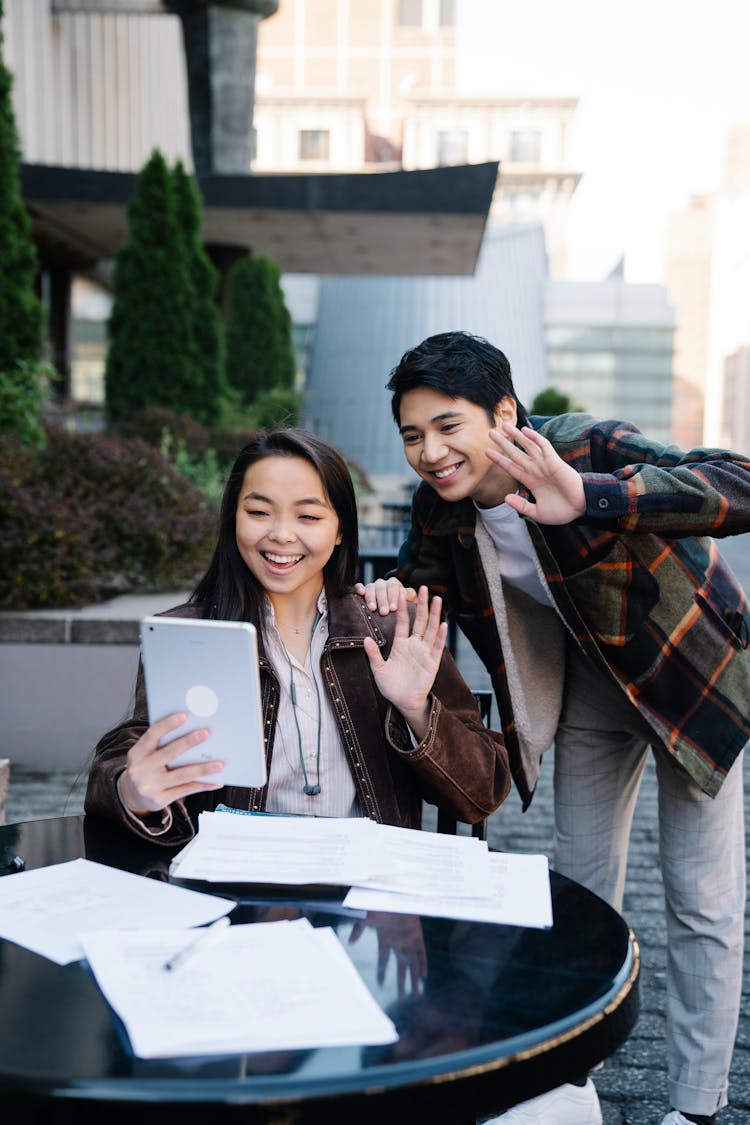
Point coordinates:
pixel 424 222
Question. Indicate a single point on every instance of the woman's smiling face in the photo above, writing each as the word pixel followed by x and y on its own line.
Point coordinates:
pixel 286 529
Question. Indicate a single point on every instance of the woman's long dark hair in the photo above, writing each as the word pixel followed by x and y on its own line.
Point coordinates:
pixel 229 591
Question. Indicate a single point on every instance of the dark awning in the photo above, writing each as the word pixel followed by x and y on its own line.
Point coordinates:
pixel 378 223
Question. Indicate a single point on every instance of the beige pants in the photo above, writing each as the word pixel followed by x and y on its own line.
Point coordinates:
pixel 600 753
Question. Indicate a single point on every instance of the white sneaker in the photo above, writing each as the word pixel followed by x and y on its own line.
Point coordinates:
pixel 674 1117
pixel 566 1105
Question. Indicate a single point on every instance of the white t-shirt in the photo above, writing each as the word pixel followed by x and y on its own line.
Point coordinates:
pixel 516 558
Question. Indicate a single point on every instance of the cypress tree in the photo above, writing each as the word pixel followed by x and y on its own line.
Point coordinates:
pixel 205 323
pixel 259 350
pixel 150 360
pixel 21 316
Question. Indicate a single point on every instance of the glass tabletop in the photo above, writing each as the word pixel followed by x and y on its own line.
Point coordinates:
pixel 488 1013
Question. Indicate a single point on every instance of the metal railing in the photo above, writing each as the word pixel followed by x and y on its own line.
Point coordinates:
pixel 378 548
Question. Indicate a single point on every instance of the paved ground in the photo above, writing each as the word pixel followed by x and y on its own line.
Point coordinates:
pixel 632 1084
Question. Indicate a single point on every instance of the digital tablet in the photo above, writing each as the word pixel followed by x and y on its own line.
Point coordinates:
pixel 208 669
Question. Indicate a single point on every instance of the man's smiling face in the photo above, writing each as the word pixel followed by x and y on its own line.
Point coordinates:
pixel 445 441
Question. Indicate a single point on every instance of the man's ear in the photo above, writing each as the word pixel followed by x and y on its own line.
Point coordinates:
pixel 506 411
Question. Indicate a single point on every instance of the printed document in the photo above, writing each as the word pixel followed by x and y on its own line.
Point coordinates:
pixel 342 852
pixel 269 986
pixel 45 909
pixel 518 894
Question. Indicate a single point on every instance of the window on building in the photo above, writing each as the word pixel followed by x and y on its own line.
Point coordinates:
pixel 524 201
pixel 452 146
pixel 314 144
pixel 526 146
pixel 410 13
pixel 447 13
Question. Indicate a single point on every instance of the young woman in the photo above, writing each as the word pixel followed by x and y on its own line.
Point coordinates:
pixel 365 716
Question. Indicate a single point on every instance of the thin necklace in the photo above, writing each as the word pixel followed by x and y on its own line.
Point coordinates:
pixel 308 789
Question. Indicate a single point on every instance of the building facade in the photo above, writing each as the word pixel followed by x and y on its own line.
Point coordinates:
pixel 609 347
pixel 735 415
pixel 708 278
pixel 96 89
pixel 343 86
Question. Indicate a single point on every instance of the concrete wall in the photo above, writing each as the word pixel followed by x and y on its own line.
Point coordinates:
pixel 67 676
pixel 57 700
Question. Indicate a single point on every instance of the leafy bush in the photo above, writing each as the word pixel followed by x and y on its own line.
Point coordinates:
pixel 201 469
pixel 152 422
pixel 23 392
pixel 206 337
pixel 550 402
pixel 277 406
pixel 88 516
pixel 151 357
pixel 259 349
pixel 21 315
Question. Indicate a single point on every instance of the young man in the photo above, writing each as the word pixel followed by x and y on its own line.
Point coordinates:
pixel 573 554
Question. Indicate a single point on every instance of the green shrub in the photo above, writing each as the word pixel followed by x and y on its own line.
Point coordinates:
pixel 550 402
pixel 202 469
pixel 88 516
pixel 277 406
pixel 23 392
pixel 151 423
pixel 259 349
pixel 206 339
pixel 150 357
pixel 45 554
pixel 21 315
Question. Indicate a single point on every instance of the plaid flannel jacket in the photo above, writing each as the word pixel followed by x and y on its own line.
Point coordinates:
pixel 636 580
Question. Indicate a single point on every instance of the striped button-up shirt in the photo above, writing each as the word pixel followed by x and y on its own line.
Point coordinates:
pixel 300 722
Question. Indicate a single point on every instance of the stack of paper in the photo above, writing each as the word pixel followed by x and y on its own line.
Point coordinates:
pixel 46 909
pixel 396 869
pixel 517 894
pixel 263 987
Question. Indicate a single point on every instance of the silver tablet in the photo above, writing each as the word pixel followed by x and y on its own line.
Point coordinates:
pixel 210 670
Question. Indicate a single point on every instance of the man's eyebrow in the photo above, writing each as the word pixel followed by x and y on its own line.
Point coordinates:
pixel 438 418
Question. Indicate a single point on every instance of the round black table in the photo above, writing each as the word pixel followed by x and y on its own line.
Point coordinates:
pixel 487 1015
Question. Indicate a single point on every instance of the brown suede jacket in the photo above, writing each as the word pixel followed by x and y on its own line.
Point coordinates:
pixel 460 766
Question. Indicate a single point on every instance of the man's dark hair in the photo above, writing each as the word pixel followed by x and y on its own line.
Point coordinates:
pixel 458 365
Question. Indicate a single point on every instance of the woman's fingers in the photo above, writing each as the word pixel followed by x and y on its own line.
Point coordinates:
pixel 150 781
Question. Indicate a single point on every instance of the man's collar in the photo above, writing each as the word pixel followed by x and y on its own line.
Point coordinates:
pixel 444 517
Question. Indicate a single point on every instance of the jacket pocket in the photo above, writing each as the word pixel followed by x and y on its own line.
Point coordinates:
pixel 728 621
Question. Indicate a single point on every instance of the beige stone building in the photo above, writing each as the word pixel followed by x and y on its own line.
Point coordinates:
pixel 689 248
pixel 344 86
pixel 708 280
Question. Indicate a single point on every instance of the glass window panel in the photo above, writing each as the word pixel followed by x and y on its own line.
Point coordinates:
pixel 410 13
pixel 314 144
pixel 447 13
pixel 452 146
pixel 526 146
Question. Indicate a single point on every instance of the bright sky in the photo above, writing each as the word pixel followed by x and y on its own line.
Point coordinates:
pixel 658 82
